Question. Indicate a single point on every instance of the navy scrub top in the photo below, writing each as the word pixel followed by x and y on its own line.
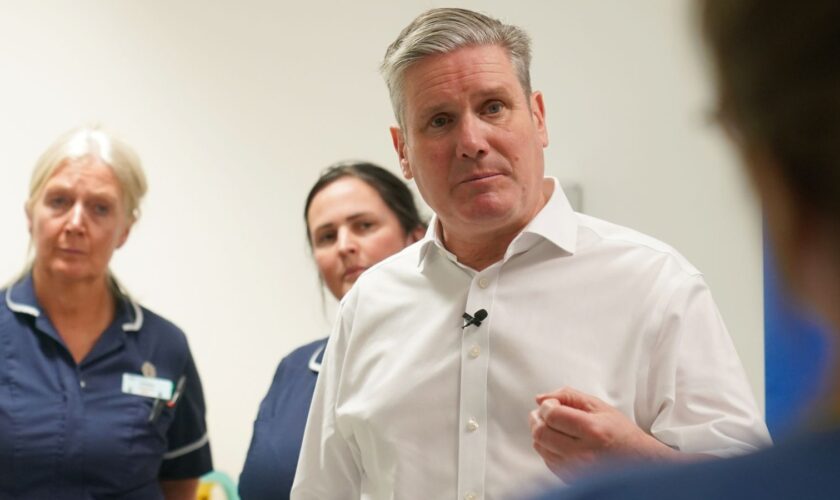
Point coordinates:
pixel 69 431
pixel 278 431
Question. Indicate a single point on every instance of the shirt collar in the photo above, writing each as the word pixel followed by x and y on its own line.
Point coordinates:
pixel 432 240
pixel 555 223
pixel 317 357
pixel 21 299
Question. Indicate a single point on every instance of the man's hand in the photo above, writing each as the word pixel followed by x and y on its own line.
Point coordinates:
pixel 572 429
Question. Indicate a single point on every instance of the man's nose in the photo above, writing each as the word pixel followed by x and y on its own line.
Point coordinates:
pixel 472 141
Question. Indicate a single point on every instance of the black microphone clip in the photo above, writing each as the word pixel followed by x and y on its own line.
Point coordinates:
pixel 475 319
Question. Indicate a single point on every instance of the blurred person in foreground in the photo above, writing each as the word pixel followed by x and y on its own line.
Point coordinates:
pixel 512 307
pixel 777 65
pixel 100 396
pixel 356 214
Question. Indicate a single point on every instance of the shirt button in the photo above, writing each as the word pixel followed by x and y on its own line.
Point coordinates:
pixel 470 496
pixel 82 384
pixel 472 425
pixel 483 282
pixel 475 351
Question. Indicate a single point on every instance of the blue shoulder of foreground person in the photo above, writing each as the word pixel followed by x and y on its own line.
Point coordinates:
pixel 805 467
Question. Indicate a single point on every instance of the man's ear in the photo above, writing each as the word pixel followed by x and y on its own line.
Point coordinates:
pixel 399 146
pixel 538 115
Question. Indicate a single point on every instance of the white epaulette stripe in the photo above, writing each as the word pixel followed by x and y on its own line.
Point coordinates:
pixel 178 452
pixel 20 308
pixel 135 325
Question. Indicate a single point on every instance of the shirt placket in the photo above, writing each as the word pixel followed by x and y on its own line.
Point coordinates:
pixel 475 362
pixel 72 450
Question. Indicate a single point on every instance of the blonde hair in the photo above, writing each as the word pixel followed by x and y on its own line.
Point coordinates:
pixel 93 141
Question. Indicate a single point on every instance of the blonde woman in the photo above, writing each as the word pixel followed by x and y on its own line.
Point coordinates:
pixel 99 397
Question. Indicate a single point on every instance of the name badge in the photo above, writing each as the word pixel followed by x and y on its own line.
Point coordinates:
pixel 149 387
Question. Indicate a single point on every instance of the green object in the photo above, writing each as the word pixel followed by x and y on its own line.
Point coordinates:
pixel 223 480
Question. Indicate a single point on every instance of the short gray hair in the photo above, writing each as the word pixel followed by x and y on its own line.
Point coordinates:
pixel 440 31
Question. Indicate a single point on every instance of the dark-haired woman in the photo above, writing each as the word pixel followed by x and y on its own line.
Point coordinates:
pixel 356 214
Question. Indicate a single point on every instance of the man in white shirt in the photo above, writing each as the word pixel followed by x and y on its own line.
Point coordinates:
pixel 417 399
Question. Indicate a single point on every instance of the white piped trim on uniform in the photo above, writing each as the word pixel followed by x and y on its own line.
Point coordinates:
pixel 20 308
pixel 186 449
pixel 137 324
pixel 314 365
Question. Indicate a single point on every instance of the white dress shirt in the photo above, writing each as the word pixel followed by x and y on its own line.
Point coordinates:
pixel 410 405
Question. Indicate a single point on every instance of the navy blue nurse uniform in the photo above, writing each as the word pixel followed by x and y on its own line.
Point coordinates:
pixel 278 431
pixel 68 430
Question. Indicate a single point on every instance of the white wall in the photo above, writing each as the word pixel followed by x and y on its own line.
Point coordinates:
pixel 235 107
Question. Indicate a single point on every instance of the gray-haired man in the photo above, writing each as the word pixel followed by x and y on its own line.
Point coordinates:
pixel 416 402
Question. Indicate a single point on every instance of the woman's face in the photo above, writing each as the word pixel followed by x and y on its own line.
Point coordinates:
pixel 351 229
pixel 77 221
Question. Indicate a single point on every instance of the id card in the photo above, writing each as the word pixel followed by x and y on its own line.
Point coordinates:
pixel 149 387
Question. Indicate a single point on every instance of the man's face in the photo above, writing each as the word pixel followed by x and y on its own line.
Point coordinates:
pixel 472 142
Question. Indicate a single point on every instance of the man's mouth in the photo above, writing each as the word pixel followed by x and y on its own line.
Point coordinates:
pixel 480 177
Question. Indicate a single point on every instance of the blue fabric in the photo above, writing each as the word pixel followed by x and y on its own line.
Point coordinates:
pixel 796 354
pixel 68 430
pixel 805 469
pixel 278 431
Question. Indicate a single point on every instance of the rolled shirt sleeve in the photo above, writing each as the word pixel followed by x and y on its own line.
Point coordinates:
pixel 697 385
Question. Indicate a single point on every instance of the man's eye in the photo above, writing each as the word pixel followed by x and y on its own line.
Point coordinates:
pixel 494 107
pixel 439 121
